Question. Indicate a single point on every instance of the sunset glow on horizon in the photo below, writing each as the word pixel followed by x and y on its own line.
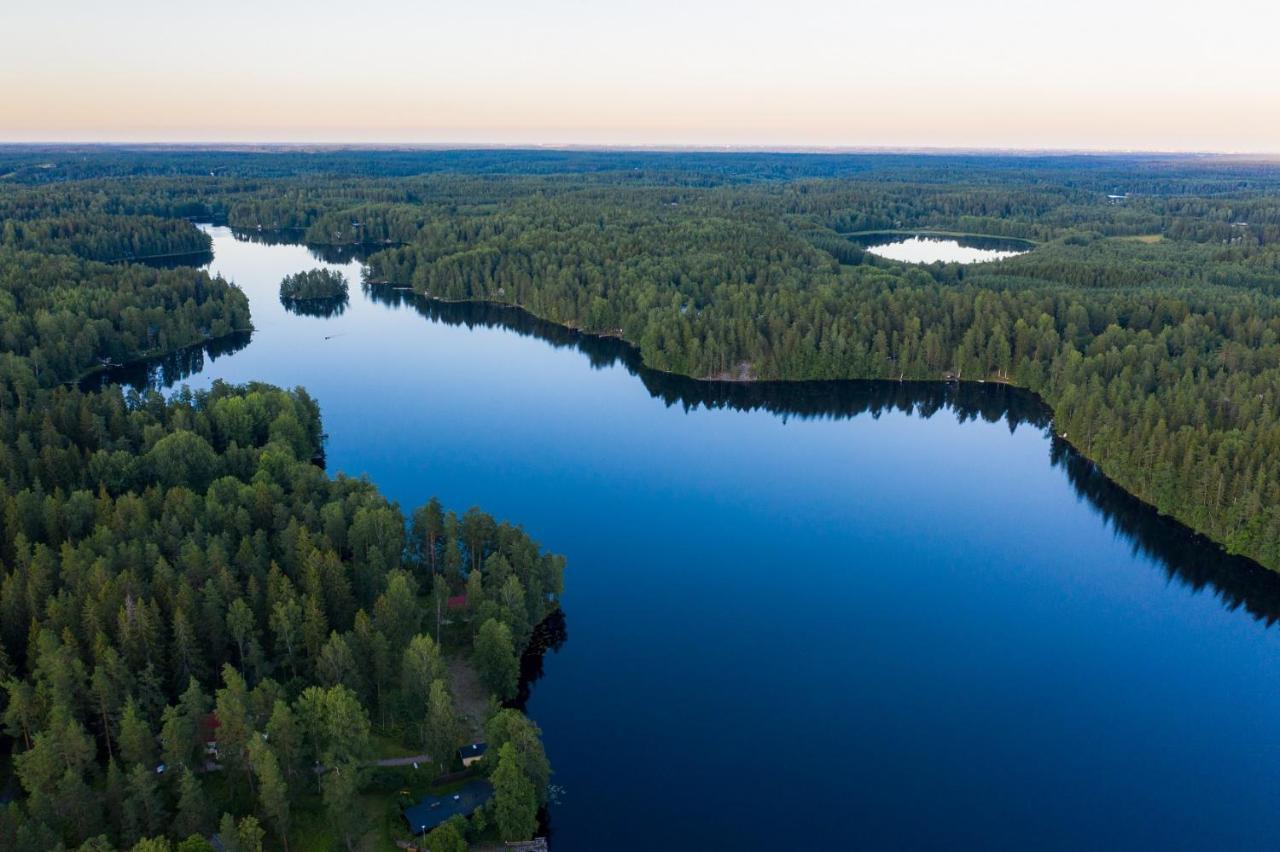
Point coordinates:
pixel 1095 75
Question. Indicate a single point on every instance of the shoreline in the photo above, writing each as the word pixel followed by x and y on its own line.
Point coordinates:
pixel 748 379
pixel 1003 381
pixel 145 257
pixel 155 356
pixel 925 232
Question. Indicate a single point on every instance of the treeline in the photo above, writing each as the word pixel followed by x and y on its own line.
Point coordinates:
pixel 370 224
pixel 1147 174
pixel 109 238
pixel 1158 357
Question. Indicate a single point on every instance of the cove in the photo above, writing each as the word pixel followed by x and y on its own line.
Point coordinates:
pixel 804 615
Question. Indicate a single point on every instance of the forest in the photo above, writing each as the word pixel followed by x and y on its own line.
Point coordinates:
pixel 168 558
pixel 200 630
pixel 1146 316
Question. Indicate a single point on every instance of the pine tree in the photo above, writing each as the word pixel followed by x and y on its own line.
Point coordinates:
pixel 137 743
pixel 273 792
pixel 144 810
pixel 193 815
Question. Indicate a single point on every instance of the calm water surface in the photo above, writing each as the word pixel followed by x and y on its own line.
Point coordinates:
pixel 855 615
pixel 923 248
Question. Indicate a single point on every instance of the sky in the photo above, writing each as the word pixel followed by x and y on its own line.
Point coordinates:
pixel 1088 74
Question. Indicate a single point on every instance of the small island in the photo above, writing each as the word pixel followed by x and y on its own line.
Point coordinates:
pixel 312 285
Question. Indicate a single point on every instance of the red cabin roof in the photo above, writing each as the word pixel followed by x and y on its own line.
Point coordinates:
pixel 209 725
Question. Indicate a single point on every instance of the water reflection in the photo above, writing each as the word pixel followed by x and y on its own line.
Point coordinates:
pixel 1187 558
pixel 168 370
pixel 340 254
pixel 1190 559
pixel 549 635
pixel 196 259
pixel 325 308
pixel 933 248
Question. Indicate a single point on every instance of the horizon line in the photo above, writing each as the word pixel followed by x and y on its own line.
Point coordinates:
pixel 672 147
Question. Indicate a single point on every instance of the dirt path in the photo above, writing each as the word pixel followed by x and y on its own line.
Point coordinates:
pixel 401 761
pixel 470 697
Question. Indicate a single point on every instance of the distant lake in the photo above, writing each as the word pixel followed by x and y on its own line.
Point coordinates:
pixel 827 615
pixel 926 248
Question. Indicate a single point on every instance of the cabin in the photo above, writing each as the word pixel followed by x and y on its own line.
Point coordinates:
pixel 456 602
pixel 433 810
pixel 473 753
pixel 208 727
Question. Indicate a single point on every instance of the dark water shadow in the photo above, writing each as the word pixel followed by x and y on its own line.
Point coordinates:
pixel 195 259
pixel 871 239
pixel 168 370
pixel 1187 558
pixel 550 635
pixel 338 254
pixel 323 308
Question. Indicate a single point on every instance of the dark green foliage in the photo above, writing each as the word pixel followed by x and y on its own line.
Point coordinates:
pixel 511 726
pixel 164 557
pixel 515 804
pixel 449 836
pixel 96 236
pixel 313 284
pixel 64 316
pixel 495 658
pixel 151 543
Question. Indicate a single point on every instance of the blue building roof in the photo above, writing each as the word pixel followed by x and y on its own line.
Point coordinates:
pixel 433 810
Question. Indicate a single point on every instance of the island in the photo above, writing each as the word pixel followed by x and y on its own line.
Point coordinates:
pixel 313 284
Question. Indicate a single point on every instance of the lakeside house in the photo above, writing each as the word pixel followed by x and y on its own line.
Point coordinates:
pixel 473 753
pixel 431 811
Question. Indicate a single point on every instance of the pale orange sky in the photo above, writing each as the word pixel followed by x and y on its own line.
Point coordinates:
pixel 1011 73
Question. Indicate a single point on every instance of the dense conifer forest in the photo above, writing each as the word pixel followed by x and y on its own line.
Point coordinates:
pixel 166 557
pixel 180 571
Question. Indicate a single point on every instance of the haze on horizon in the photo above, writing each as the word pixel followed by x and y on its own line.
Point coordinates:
pixel 1099 74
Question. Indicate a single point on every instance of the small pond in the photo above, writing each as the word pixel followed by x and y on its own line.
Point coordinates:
pixel 938 248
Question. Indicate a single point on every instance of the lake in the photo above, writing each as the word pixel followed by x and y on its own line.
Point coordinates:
pixel 805 615
pixel 935 248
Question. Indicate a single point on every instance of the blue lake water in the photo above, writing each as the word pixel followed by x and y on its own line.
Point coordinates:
pixel 829 616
